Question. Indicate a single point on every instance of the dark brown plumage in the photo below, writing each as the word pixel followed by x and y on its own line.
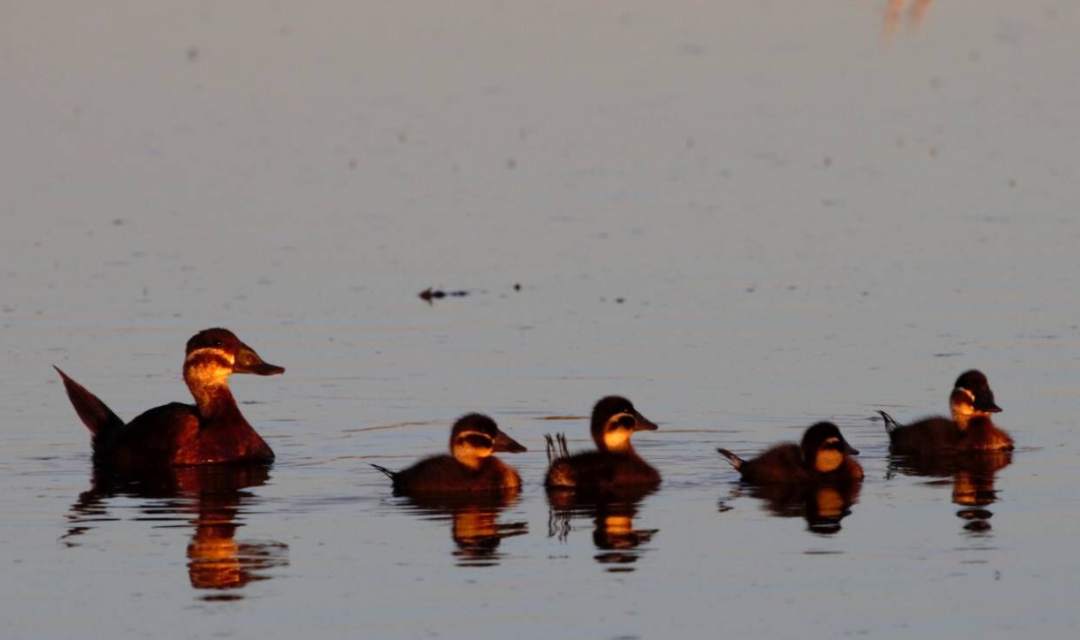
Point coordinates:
pixel 211 431
pixel 615 463
pixel 970 429
pixel 823 456
pixel 471 467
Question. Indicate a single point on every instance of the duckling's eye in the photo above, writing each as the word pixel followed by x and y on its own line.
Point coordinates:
pixel 627 421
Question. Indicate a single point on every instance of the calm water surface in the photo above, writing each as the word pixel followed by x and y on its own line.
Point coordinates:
pixel 745 216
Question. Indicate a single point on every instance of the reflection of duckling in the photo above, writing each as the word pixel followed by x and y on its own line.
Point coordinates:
pixel 973 477
pixel 477 532
pixel 211 431
pixel 970 429
pixel 475 526
pixel 822 505
pixel 615 528
pixel 470 467
pixel 615 463
pixel 822 457
pixel 612 512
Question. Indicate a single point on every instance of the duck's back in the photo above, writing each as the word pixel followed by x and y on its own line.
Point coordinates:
pixel 778 465
pixel 925 436
pixel 444 474
pixel 151 439
pixel 174 434
pixel 601 470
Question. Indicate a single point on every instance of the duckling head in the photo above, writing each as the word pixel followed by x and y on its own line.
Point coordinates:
pixel 213 355
pixel 614 421
pixel 971 397
pixel 475 437
pixel 824 447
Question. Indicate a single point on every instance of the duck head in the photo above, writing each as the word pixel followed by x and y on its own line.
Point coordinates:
pixel 614 421
pixel 824 448
pixel 475 437
pixel 213 355
pixel 971 397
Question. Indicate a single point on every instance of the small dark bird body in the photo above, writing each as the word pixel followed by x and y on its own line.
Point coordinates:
pixel 470 467
pixel 615 463
pixel 211 431
pixel 823 456
pixel 970 429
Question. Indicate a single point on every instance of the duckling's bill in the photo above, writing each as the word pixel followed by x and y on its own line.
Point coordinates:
pixel 504 443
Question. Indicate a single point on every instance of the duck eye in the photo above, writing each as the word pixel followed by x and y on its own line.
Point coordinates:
pixel 627 421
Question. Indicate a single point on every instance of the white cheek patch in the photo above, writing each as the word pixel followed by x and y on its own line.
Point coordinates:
pixel 616 439
pixel 208 367
pixel 828 460
pixel 469 454
pixel 208 374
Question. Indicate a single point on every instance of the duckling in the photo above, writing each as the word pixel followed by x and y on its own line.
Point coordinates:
pixel 970 429
pixel 615 463
pixel 211 431
pixel 822 457
pixel 470 465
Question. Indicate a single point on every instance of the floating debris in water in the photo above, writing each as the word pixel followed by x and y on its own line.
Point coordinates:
pixel 430 294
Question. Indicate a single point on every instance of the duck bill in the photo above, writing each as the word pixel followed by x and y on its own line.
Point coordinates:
pixel 641 423
pixel 507 444
pixel 247 361
pixel 848 449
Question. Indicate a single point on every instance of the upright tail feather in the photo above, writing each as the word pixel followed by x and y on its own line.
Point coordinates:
pixel 97 417
pixel 389 474
pixel 735 460
pixel 890 424
pixel 556 447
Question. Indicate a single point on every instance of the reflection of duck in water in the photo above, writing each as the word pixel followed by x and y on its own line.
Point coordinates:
pixel 816 478
pixel 615 463
pixel 973 477
pixel 211 431
pixel 216 497
pixel 823 506
pixel 475 526
pixel 470 467
pixel 969 429
pixel 612 512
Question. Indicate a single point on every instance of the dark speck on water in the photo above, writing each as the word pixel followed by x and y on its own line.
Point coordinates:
pixel 430 294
